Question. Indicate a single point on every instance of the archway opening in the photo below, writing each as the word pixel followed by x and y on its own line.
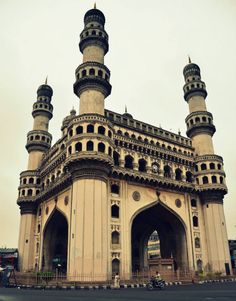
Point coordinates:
pixel 170 246
pixel 55 243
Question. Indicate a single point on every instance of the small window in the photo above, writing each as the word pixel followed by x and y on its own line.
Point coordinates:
pixel 91 71
pixel 115 237
pixel 205 180
pixel 212 165
pixel 129 162
pixel 116 158
pixel 39 228
pixel 101 147
pixel 31 180
pixel 193 203
pixel 203 166
pixel 69 150
pixel 24 181
pixel 109 134
pixel 213 179
pixel 115 188
pixel 84 73
pixel 101 130
pixel 178 174
pixel 115 211
pixel 195 221
pixel 78 147
pixel 100 73
pixel 109 151
pixel 219 166
pixel 189 177
pixel 89 146
pixel 30 192
pixel 197 242
pixel 90 128
pixel 221 180
pixel 142 165
pixel 79 130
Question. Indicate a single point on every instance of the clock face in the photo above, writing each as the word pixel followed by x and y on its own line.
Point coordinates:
pixel 154 168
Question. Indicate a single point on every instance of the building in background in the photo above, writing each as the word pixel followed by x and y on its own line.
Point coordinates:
pixel 90 202
pixel 8 258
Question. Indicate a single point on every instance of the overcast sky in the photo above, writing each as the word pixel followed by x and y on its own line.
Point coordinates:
pixel 149 44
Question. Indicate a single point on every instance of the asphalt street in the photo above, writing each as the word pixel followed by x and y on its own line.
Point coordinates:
pixel 215 291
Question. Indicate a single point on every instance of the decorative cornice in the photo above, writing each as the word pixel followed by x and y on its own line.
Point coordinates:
pixel 92 82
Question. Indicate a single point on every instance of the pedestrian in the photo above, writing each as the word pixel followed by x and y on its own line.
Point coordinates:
pixel 117 281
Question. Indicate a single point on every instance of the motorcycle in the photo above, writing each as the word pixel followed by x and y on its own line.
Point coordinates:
pixel 155 284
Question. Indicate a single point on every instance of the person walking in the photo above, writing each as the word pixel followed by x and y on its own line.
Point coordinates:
pixel 117 281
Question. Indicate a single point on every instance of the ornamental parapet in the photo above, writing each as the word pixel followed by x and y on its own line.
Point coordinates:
pixel 40 107
pixel 200 128
pixel 38 140
pixel 209 157
pixel 92 82
pixel 92 155
pixel 54 188
pixel 212 187
pixel 94 37
pixel 151 179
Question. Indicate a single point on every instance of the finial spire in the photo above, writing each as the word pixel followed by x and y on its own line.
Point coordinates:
pixel 189 60
pixel 95 6
pixel 125 108
pixel 46 80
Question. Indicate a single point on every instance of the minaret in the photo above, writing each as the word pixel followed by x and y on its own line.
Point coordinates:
pixel 39 139
pixel 92 77
pixel 209 173
pixel 38 142
pixel 90 155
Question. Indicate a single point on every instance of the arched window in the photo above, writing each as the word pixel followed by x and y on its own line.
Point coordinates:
pixel 30 192
pixel 116 158
pixel 38 228
pixel 196 168
pixel 205 180
pixel 37 247
pixel 79 130
pixel 189 177
pixel 89 146
pixel 24 181
pixel 40 211
pixel 37 191
pixel 70 150
pixel 178 174
pixel 37 137
pixel 38 181
pixel 212 165
pixel 78 147
pixel 48 182
pixel 167 171
pixel 62 147
pixel 199 265
pixel 197 242
pixel 193 203
pixel 115 211
pixel 195 221
pixel 197 181
pixel 115 237
pixel 71 133
pixel 101 130
pixel 221 180
pixel 142 165
pixel 53 178
pixel 115 188
pixel 109 151
pixel 213 179
pixel 84 73
pixel 197 119
pixel 203 166
pixel 115 266
pixel 23 192
pixel 58 173
pixel 91 71
pixel 219 166
pixel 101 147
pixel 90 128
pixel 100 73
pixel 129 162
pixel 109 134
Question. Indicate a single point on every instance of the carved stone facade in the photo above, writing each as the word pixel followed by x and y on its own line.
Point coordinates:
pixel 90 202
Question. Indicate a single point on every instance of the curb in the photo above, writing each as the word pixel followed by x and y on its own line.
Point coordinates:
pixel 110 287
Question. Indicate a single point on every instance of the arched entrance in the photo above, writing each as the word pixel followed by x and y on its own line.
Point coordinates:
pixel 171 234
pixel 55 243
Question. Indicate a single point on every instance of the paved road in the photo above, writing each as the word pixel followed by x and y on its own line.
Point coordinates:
pixel 217 291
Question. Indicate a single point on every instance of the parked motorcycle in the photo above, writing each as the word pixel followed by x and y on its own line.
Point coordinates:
pixel 155 284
